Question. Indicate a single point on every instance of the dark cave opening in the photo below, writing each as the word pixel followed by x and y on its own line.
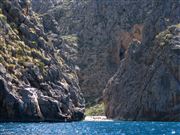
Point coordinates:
pixel 122 53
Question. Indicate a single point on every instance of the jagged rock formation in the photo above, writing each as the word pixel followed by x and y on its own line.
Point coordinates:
pixel 36 83
pixel 104 30
pixel 147 84
pixel 42 6
pixel 41 53
pixel 102 46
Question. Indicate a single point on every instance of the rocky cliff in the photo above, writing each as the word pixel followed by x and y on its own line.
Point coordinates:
pixel 44 43
pixel 104 30
pixel 36 83
pixel 120 35
pixel 147 83
pixel 42 6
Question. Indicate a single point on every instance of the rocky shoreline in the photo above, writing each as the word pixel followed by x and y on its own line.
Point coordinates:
pixel 96 118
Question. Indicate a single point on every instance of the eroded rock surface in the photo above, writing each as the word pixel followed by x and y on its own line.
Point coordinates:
pixel 147 84
pixel 41 53
pixel 36 83
pixel 42 6
pixel 104 30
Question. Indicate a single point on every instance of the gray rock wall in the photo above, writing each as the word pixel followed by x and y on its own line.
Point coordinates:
pixel 146 85
pixel 36 83
pixel 104 30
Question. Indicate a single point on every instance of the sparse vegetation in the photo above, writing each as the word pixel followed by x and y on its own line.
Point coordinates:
pixel 15 53
pixel 2 17
pixel 96 110
pixel 70 39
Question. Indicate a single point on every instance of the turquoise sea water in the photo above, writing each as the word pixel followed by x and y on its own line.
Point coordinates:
pixel 91 128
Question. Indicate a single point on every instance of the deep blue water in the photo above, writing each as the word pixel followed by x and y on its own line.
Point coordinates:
pixel 91 128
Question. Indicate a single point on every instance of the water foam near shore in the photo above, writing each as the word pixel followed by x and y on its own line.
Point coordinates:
pixel 96 118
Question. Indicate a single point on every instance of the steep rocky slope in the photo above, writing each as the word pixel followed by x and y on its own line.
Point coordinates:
pixel 42 6
pixel 147 84
pixel 94 38
pixel 103 30
pixel 36 83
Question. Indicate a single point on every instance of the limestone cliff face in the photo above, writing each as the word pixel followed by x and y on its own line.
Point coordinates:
pixel 147 84
pixel 111 35
pixel 102 44
pixel 36 82
pixel 104 30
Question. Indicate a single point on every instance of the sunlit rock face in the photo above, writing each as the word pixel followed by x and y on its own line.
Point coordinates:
pixel 147 84
pixel 36 83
